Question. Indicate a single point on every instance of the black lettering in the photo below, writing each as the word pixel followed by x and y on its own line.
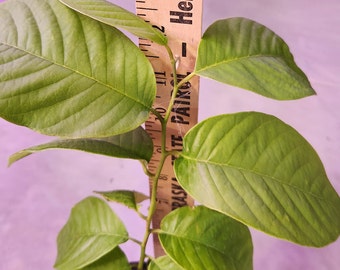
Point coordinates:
pixel 176 141
pixel 178 201
pixel 181 102
pixel 185 85
pixel 176 205
pixel 179 120
pixel 179 17
pixel 185 6
pixel 180 192
pixel 181 199
pixel 182 111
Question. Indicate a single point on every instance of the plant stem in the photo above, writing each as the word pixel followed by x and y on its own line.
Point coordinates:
pixel 164 154
pixel 153 201
pixel 175 90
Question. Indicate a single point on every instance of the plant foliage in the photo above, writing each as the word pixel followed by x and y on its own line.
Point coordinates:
pixel 67 71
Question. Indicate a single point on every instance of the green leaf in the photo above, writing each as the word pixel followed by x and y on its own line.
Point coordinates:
pixel 116 16
pixel 92 231
pixel 135 144
pixel 64 74
pixel 163 263
pixel 260 171
pixel 246 54
pixel 115 259
pixel 130 199
pixel 201 238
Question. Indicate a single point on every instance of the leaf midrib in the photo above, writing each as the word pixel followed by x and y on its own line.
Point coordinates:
pixel 228 61
pixel 94 234
pixel 80 73
pixel 200 243
pixel 262 175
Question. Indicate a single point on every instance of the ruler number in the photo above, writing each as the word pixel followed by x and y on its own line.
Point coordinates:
pixel 163 177
pixel 160 77
pixel 160 28
pixel 161 111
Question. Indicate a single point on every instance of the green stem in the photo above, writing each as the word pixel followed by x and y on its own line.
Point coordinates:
pixel 156 113
pixel 186 79
pixel 164 154
pixel 175 90
pixel 145 168
pixel 135 240
pixel 153 205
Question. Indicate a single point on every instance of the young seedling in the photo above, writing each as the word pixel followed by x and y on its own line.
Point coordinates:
pixel 67 71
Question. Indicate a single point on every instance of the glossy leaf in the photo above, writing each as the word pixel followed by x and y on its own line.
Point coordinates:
pixel 115 259
pixel 64 74
pixel 163 263
pixel 135 144
pixel 246 54
pixel 259 170
pixel 117 16
pixel 130 199
pixel 201 238
pixel 92 231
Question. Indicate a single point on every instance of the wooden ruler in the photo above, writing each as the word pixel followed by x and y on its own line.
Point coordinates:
pixel 181 22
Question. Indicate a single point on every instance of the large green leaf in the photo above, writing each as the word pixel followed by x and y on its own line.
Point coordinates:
pixel 246 54
pixel 64 74
pixel 201 238
pixel 115 259
pixel 91 232
pixel 259 170
pixel 135 144
pixel 116 16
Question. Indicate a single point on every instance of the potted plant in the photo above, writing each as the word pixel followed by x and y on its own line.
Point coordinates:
pixel 66 71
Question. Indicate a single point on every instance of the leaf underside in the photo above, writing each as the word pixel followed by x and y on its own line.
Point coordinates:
pixel 260 171
pixel 117 16
pixel 92 231
pixel 246 54
pixel 64 74
pixel 135 144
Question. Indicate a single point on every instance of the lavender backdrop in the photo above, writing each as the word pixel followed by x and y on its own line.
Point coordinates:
pixel 38 192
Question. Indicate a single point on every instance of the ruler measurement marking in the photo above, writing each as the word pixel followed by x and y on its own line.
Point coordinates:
pixel 152 56
pixel 155 130
pixel 147 8
pixel 184 49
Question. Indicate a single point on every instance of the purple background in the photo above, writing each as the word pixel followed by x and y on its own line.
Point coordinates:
pixel 37 193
